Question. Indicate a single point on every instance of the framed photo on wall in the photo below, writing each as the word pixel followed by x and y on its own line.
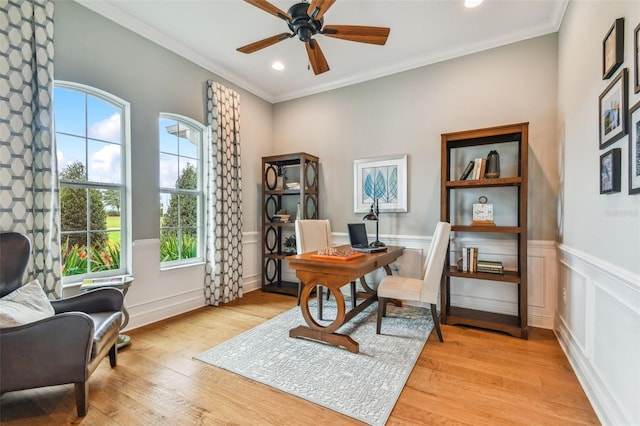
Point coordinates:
pixel 634 149
pixel 383 179
pixel 613 49
pixel 610 171
pixel 613 110
pixel 636 59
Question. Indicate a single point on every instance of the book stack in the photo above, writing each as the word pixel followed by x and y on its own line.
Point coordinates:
pixel 475 169
pixel 490 267
pixel 280 218
pixel 469 259
pixel 469 263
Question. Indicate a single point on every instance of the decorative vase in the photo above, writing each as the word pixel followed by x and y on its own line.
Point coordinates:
pixel 493 165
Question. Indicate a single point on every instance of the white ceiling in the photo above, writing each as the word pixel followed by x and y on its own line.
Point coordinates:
pixel 423 32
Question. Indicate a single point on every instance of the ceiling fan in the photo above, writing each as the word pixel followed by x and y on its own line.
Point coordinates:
pixel 306 20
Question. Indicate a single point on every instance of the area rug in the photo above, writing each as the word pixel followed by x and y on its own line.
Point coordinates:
pixel 364 386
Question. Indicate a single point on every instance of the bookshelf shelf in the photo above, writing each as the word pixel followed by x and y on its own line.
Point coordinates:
pixel 508 276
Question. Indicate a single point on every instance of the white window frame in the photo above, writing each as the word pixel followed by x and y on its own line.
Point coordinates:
pixel 125 179
pixel 199 192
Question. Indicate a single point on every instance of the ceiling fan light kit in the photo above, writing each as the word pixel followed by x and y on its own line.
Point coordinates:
pixel 305 20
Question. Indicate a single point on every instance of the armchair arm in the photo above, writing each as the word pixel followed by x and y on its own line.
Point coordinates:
pixel 52 351
pixel 98 300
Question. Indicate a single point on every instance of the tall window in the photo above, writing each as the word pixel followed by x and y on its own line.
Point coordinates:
pixel 181 196
pixel 91 130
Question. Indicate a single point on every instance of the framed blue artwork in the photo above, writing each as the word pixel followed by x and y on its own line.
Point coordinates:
pixel 382 178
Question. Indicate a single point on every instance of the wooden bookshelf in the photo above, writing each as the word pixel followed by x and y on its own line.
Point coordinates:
pixel 515 325
pixel 305 168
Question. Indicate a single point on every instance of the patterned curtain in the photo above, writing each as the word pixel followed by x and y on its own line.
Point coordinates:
pixel 223 271
pixel 28 178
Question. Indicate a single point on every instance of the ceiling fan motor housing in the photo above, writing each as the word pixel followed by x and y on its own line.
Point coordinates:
pixel 302 24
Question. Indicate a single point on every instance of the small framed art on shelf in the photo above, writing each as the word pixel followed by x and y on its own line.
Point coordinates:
pixel 613 110
pixel 610 171
pixel 613 49
pixel 634 149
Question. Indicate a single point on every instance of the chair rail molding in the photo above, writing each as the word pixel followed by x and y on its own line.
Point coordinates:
pixel 598 326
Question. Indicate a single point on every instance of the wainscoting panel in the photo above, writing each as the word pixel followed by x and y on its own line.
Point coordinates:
pixel 501 297
pixel 251 255
pixel 598 326
pixel 492 296
pixel 159 294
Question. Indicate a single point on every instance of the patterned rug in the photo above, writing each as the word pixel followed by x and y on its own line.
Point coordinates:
pixel 364 386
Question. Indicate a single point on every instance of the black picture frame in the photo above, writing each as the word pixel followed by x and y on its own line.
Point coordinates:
pixel 634 149
pixel 610 171
pixel 613 49
pixel 614 104
pixel 636 59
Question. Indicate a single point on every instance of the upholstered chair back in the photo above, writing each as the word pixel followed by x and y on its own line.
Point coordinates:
pixel 15 249
pixel 313 234
pixel 434 264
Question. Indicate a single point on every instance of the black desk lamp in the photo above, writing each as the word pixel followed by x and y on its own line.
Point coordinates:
pixel 374 214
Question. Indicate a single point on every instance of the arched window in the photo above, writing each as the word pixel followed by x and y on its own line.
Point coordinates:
pixel 181 193
pixel 92 135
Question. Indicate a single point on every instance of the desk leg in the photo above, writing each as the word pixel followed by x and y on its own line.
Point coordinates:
pixel 335 339
pixel 319 291
pixel 322 333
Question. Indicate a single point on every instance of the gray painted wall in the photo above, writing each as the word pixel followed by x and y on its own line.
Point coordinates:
pixel 92 50
pixel 406 113
pixel 604 226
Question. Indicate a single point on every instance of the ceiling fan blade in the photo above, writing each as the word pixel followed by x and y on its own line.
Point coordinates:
pixel 316 57
pixel 250 48
pixel 269 8
pixel 371 35
pixel 319 7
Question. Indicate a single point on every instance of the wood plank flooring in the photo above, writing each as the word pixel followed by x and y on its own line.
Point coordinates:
pixel 475 377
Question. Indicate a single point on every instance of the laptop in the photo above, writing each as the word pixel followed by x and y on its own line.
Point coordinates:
pixel 359 240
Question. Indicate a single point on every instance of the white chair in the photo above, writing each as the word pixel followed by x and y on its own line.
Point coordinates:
pixel 312 235
pixel 419 290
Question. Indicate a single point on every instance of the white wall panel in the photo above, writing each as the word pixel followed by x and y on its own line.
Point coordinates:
pixel 599 329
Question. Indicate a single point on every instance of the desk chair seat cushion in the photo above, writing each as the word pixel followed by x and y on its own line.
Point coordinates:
pixel 24 305
pixel 403 288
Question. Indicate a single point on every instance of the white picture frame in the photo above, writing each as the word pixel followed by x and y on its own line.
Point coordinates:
pixel 384 178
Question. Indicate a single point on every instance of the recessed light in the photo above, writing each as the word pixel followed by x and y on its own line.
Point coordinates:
pixel 472 3
pixel 278 66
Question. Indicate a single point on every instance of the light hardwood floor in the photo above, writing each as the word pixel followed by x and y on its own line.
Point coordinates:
pixel 475 377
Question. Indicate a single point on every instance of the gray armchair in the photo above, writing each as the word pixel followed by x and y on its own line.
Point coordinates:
pixel 63 348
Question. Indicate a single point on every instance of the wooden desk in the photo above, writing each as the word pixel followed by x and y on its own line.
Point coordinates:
pixel 333 274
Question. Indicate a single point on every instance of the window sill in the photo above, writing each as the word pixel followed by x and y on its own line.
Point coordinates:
pixel 170 267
